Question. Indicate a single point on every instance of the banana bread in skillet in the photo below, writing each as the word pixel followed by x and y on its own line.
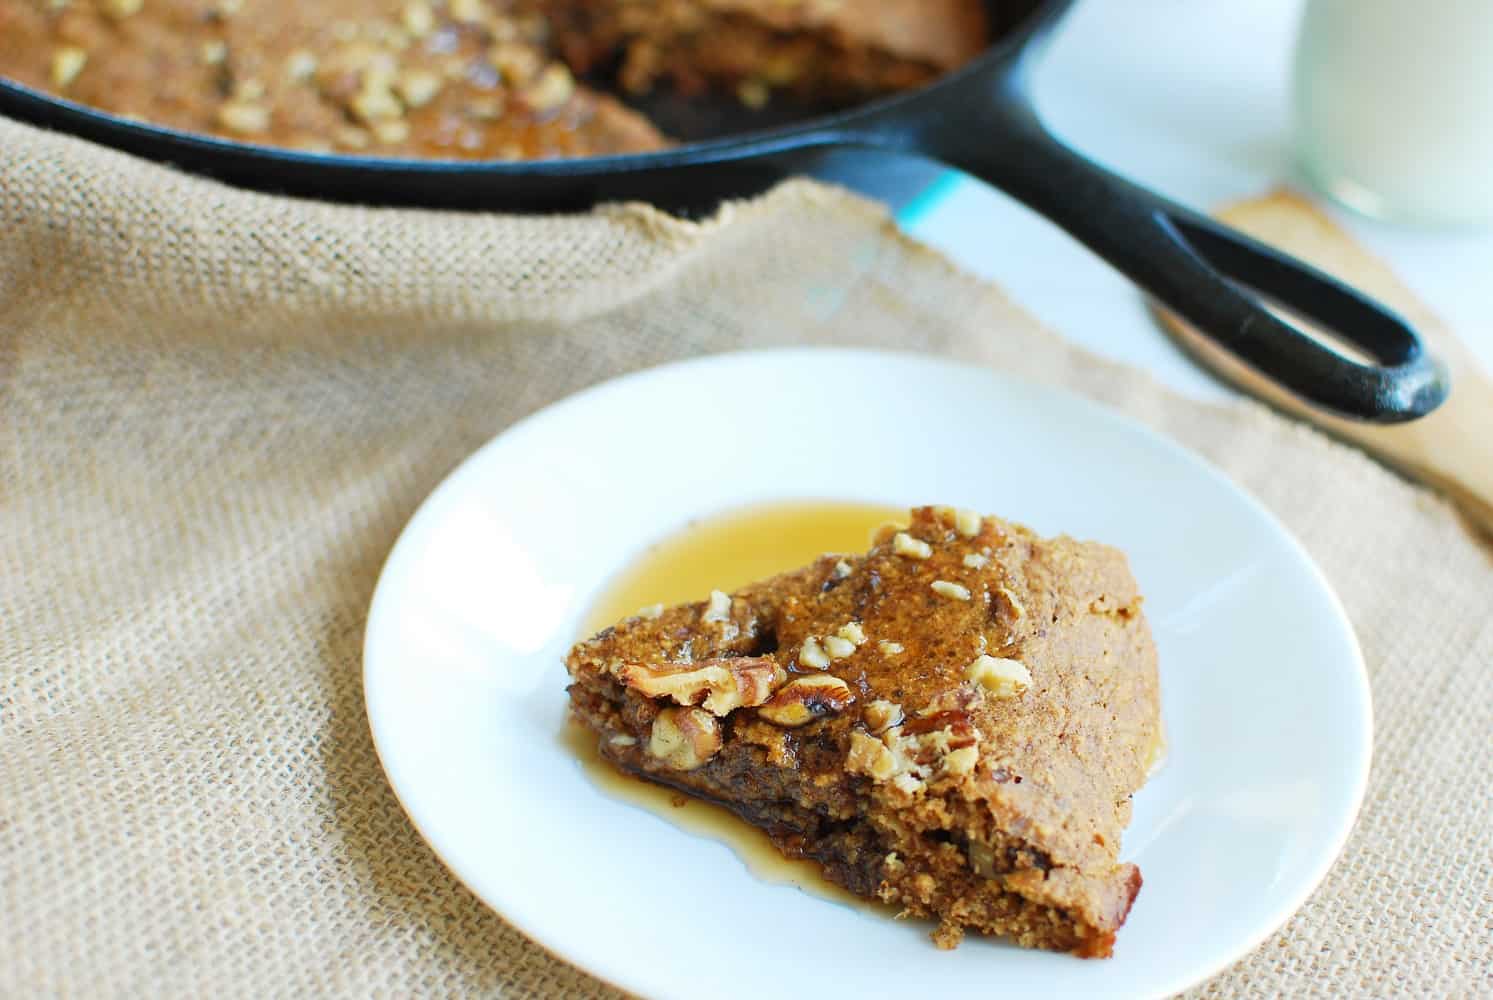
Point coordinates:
pixel 467 79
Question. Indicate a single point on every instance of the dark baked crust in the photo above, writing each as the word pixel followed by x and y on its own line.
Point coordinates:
pixel 980 775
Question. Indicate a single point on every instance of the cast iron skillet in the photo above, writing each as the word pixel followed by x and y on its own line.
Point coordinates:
pixel 980 120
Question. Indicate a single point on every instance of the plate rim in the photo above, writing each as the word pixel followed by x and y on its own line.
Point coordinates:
pixel 1065 396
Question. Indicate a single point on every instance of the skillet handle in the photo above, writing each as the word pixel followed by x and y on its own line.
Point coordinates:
pixel 1215 278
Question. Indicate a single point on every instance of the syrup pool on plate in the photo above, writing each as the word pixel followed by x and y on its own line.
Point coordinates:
pixel 727 551
pixel 724 552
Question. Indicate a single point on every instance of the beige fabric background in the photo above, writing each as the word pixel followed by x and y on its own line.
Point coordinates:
pixel 217 410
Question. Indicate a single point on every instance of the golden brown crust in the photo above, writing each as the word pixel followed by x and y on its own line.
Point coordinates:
pixel 389 77
pixel 462 79
pixel 999 706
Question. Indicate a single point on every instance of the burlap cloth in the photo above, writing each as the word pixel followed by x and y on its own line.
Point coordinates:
pixel 217 410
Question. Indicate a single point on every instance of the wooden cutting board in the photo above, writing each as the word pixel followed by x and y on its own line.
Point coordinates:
pixel 1452 448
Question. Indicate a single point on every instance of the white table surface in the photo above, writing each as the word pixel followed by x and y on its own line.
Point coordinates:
pixel 1190 97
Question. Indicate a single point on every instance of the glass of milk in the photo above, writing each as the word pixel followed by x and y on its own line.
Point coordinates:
pixel 1394 107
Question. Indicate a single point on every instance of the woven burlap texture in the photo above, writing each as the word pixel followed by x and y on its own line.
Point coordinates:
pixel 217 410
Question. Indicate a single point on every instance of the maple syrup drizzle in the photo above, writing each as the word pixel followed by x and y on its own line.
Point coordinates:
pixel 724 552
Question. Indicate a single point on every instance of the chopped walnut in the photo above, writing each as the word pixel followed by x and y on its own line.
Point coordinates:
pixel 718 608
pixel 518 63
pixel 907 783
pixel 957 734
pixel 959 700
pixel 1018 610
pixel 961 761
pixel 870 756
pixel 552 88
pixel 684 738
pixel 719 686
pixel 913 548
pixel 67 62
pixel 418 87
pixel 893 759
pixel 966 522
pixel 121 9
pixel 375 101
pixel 837 647
pixel 982 859
pixel 418 18
pixel 945 588
pixel 907 752
pixel 1001 678
pixel 852 632
pixel 467 11
pixel 811 654
pixel 244 117
pixel 882 715
pixel 807 699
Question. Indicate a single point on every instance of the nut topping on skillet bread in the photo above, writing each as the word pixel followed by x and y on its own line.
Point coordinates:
pixel 467 79
pixel 970 760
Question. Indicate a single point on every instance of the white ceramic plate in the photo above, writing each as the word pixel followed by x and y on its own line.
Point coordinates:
pixel 1265 695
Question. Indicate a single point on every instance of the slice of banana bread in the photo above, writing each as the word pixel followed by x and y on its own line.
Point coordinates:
pixel 954 722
